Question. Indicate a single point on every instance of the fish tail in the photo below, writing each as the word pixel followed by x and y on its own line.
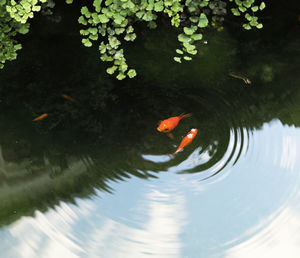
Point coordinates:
pixel 183 115
pixel 176 151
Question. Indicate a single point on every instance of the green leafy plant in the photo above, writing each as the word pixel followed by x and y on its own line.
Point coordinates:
pixel 13 20
pixel 108 23
pixel 111 21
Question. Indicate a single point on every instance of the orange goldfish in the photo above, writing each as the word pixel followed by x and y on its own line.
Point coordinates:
pixel 65 96
pixel 169 124
pixel 40 117
pixel 187 139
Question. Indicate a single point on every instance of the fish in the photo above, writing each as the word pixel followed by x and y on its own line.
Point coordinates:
pixel 245 79
pixel 169 124
pixel 187 139
pixel 42 116
pixel 65 96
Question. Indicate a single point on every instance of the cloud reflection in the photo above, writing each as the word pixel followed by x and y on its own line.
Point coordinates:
pixel 279 239
pixel 158 237
pixel 53 234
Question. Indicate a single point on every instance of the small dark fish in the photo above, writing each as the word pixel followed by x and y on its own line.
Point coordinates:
pixel 40 117
pixel 245 79
pixel 65 96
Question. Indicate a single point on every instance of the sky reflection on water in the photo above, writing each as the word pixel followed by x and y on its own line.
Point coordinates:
pixel 252 212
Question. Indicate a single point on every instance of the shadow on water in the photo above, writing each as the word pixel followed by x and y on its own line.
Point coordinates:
pixel 109 133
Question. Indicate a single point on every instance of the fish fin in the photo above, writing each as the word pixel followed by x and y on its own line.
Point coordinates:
pixel 183 115
pixel 170 135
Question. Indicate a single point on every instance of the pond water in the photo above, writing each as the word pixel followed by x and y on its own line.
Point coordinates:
pixel 96 179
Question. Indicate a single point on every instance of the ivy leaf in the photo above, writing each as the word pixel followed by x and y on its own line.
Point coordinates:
pixel 119 30
pixel 177 59
pixel 178 51
pixel 111 70
pixel 247 26
pixel 183 38
pixel 262 6
pixel 194 19
pixel 187 58
pixel 158 6
pixel 103 18
pixel 235 12
pixel 197 36
pixel 248 16
pixel 189 31
pixel 259 26
pixel 36 8
pixel 23 29
pixel 121 76
pixel 254 8
pixel 131 73
pixel 118 19
pixel 203 21
pixel 97 5
pixel 85 12
pixel 87 42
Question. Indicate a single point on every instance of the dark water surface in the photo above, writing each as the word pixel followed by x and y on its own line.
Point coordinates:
pixel 95 178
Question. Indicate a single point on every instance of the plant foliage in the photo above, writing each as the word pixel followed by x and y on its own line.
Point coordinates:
pixel 108 23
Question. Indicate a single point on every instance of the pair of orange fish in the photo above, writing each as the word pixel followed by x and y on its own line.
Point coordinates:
pixel 65 96
pixel 169 124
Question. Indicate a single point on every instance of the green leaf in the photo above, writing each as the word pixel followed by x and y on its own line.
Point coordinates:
pixel 190 31
pixel 119 30
pixel 242 9
pixel 187 58
pixel 118 19
pixel 178 51
pixel 235 12
pixel 247 4
pixel 197 36
pixel 158 6
pixel 247 26
pixel 262 6
pixel 108 2
pixel 203 21
pixel 130 37
pixel 36 8
pixel 84 32
pixel 97 5
pixel 85 12
pixel 238 2
pixel 259 26
pixel 177 59
pixel 183 38
pixel 111 70
pixel 93 37
pixel 131 73
pixel 152 24
pixel 86 42
pixel 93 30
pixel 254 8
pixel 121 76
pixel 130 29
pixel 248 16
pixel 103 18
pixel 18 47
pixel 194 19
pixel 23 29
pixel 69 1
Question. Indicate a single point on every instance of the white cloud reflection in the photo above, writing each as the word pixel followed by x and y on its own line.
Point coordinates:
pixel 52 234
pixel 158 237
pixel 278 239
